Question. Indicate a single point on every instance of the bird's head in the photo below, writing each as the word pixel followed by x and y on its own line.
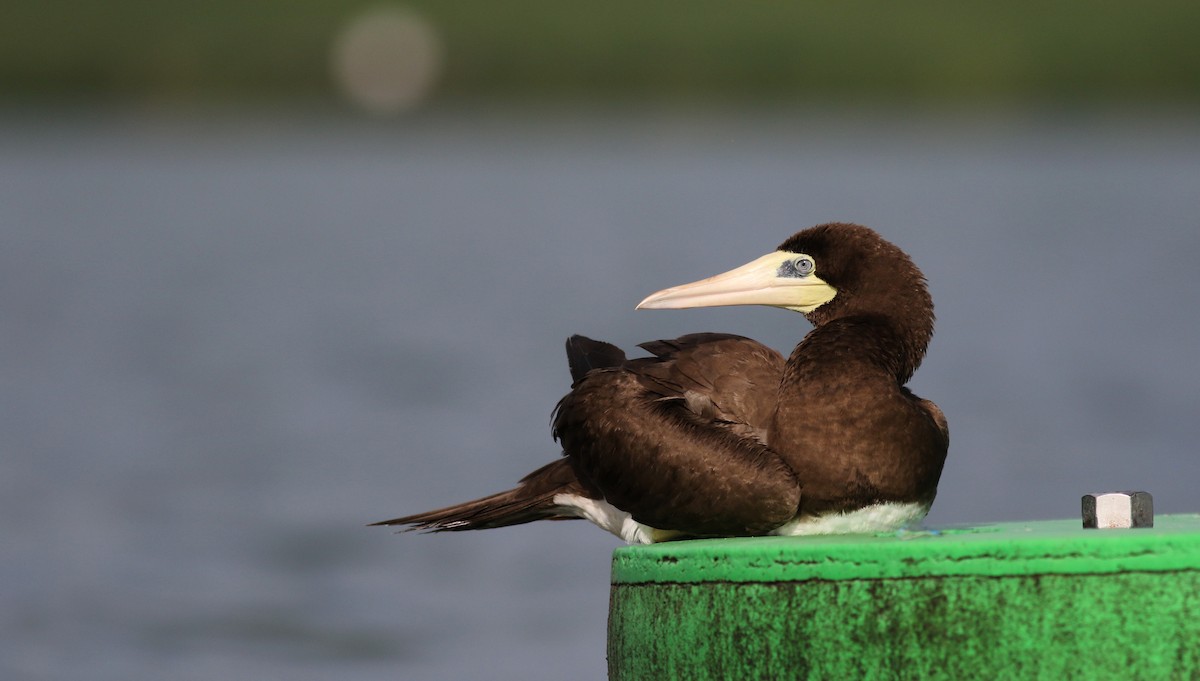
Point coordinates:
pixel 825 272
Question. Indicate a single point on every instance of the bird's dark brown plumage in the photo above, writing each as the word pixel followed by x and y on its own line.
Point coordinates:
pixel 717 435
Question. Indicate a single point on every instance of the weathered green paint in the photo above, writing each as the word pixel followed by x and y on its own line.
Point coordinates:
pixel 1043 600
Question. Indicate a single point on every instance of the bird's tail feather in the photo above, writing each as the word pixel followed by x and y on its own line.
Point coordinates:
pixel 497 510
pixel 532 499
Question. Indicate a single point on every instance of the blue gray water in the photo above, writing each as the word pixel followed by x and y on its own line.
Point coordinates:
pixel 231 341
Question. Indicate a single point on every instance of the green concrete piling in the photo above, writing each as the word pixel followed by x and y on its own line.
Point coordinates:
pixel 1039 600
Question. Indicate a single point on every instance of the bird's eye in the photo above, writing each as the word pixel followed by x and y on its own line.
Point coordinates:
pixel 796 268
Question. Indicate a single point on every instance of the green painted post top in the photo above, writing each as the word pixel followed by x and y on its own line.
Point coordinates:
pixel 1006 549
pixel 1039 600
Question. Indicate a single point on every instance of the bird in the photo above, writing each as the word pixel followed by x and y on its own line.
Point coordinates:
pixel 717 435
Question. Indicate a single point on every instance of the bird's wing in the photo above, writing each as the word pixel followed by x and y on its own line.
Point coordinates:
pixel 722 378
pixel 677 439
pixel 585 354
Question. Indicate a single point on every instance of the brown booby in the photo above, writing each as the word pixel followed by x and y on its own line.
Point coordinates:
pixel 717 435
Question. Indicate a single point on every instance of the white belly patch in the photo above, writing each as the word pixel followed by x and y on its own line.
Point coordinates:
pixel 887 517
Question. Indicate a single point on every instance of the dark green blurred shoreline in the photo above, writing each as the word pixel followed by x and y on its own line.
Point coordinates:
pixel 857 52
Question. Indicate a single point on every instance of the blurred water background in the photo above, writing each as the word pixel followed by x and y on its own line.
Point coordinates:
pixel 264 280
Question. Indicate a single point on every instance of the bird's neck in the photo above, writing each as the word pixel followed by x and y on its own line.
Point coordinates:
pixel 872 344
pixel 834 373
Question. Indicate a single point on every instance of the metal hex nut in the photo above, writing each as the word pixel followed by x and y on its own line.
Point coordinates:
pixel 1118 510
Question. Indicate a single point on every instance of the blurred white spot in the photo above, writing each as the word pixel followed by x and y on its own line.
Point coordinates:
pixel 386 59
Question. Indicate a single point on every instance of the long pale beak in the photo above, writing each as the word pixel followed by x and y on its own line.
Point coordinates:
pixel 755 283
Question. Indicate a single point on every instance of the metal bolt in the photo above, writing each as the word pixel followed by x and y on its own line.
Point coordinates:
pixel 1115 510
